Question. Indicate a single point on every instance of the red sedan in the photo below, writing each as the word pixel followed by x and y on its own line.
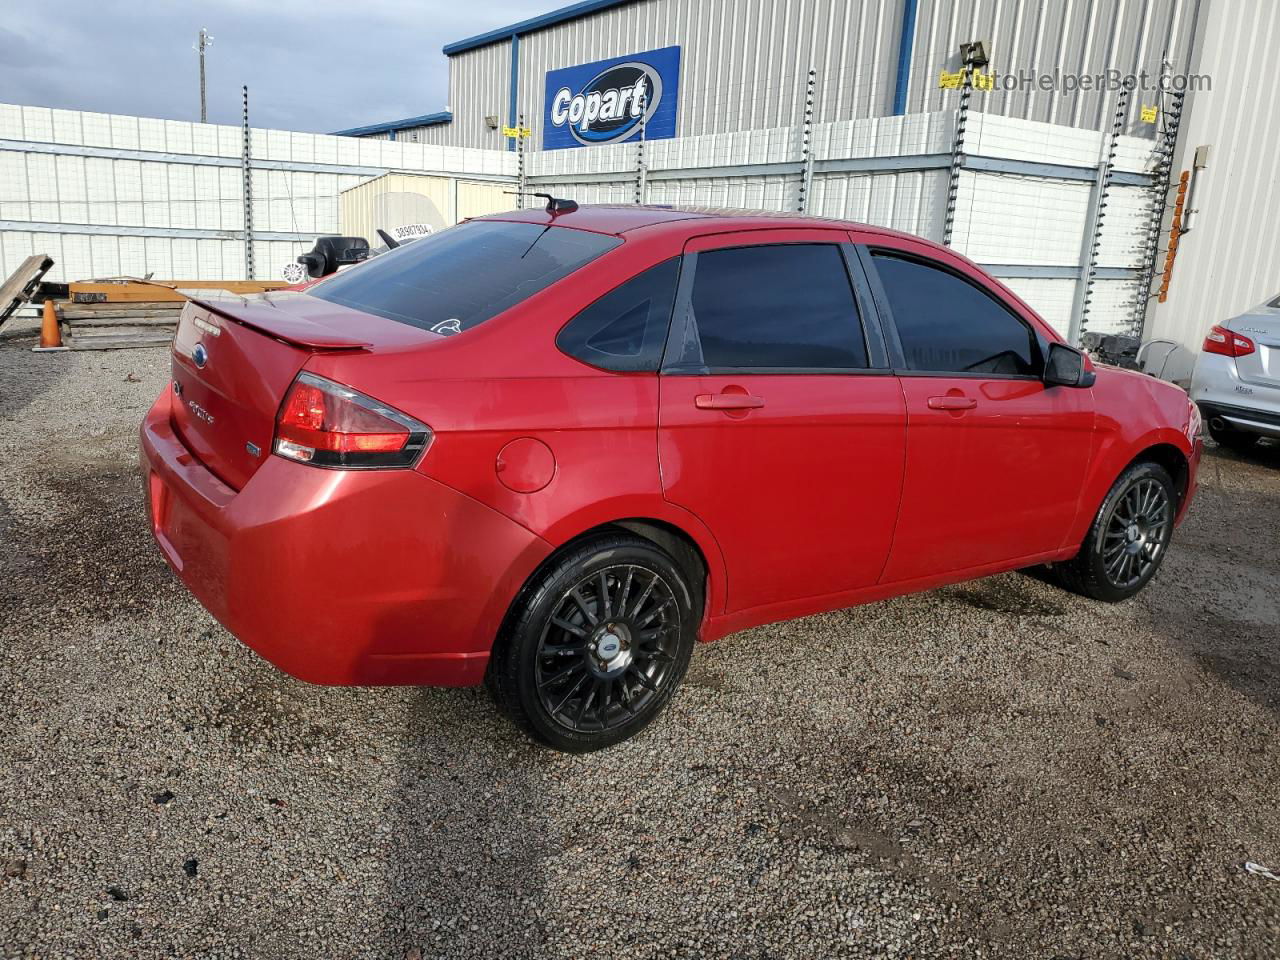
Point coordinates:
pixel 551 449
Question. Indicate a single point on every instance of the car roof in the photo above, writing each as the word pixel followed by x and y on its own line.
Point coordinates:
pixel 620 219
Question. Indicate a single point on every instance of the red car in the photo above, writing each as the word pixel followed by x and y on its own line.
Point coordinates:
pixel 551 449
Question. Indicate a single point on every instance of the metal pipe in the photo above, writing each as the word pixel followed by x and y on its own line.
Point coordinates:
pixel 515 88
pixel 905 44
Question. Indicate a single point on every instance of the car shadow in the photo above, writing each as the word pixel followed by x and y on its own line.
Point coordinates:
pixel 1226 615
pixel 1265 453
pixel 469 827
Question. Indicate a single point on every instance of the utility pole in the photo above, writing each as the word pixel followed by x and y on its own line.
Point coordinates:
pixel 201 44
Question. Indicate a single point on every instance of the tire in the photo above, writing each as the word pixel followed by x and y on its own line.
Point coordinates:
pixel 1135 520
pixel 622 658
pixel 1238 440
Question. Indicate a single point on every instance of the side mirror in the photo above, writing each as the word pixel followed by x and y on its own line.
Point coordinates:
pixel 1067 367
pixel 330 253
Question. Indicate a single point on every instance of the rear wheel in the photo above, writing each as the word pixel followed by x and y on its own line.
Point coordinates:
pixel 1128 538
pixel 597 644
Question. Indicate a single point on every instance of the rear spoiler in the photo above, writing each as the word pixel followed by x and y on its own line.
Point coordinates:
pixel 270 319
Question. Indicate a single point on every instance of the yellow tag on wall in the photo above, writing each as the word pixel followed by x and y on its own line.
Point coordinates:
pixel 516 132
pixel 954 81
pixel 1149 114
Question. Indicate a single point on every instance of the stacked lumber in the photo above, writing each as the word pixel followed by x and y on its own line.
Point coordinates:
pixel 111 315
pixel 115 325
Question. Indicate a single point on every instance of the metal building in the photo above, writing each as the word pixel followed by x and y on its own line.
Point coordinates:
pixel 745 64
pixel 718 72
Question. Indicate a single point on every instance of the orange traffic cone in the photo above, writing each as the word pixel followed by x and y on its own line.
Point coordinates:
pixel 50 331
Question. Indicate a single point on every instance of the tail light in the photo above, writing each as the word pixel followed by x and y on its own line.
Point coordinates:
pixel 1228 343
pixel 328 425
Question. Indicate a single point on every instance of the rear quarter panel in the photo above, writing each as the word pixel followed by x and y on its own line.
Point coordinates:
pixel 505 380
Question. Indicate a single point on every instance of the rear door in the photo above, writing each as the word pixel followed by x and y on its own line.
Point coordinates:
pixel 995 459
pixel 780 425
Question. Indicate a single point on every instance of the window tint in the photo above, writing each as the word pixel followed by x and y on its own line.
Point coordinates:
pixel 948 324
pixel 627 328
pixel 460 277
pixel 781 306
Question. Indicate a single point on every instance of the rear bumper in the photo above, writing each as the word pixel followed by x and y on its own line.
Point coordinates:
pixel 339 577
pixel 1244 405
pixel 1263 422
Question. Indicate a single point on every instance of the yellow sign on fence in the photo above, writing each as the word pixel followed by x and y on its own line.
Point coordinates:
pixel 954 81
pixel 517 132
pixel 1149 114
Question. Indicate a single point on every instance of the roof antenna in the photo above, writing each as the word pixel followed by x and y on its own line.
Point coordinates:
pixel 557 205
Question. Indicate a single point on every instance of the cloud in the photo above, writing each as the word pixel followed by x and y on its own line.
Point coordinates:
pixel 310 65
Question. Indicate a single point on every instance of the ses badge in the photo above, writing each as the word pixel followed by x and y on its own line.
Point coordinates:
pixel 601 102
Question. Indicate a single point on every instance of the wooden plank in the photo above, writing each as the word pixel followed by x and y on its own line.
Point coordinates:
pixel 119 341
pixel 142 310
pixel 156 291
pixel 80 323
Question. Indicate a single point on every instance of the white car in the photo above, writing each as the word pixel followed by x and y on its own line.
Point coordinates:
pixel 1237 377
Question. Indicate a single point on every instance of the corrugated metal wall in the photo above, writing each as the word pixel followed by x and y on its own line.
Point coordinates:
pixel 1076 36
pixel 1230 261
pixel 744 63
pixel 479 86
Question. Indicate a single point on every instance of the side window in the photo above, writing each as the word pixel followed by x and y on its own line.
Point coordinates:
pixel 625 330
pixel 777 307
pixel 946 324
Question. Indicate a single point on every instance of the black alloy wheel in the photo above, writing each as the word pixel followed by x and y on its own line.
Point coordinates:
pixel 603 654
pixel 1136 533
pixel 597 644
pixel 1128 538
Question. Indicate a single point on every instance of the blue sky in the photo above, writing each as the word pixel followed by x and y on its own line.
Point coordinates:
pixel 310 64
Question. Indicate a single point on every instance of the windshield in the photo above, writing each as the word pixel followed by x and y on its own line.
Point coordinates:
pixel 458 278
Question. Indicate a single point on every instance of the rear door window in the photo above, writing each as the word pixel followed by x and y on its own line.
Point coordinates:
pixel 458 278
pixel 625 330
pixel 781 307
pixel 948 325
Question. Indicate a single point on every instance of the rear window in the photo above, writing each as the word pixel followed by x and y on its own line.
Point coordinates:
pixel 458 278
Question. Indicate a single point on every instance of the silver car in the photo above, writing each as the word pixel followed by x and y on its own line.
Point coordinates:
pixel 1237 377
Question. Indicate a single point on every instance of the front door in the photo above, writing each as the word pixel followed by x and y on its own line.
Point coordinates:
pixel 780 426
pixel 995 459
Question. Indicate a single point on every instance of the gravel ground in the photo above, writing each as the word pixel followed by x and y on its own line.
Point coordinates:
pixel 997 769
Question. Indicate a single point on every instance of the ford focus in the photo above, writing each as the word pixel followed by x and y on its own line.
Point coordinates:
pixel 550 450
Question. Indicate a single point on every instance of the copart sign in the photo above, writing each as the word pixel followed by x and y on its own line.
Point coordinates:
pixel 609 101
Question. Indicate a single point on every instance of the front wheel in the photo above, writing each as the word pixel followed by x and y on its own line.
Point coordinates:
pixel 596 644
pixel 1128 538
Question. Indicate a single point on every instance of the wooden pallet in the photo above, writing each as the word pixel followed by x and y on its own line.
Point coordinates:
pixel 19 287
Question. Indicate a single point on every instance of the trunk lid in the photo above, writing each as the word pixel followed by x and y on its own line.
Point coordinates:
pixel 1262 326
pixel 235 357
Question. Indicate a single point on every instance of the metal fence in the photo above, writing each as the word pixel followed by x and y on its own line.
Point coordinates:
pixel 1068 218
pixel 1063 216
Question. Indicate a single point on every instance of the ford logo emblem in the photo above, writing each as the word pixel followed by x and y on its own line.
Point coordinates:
pixel 609 106
pixel 199 356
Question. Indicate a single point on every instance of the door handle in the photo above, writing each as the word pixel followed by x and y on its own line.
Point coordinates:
pixel 952 403
pixel 727 401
